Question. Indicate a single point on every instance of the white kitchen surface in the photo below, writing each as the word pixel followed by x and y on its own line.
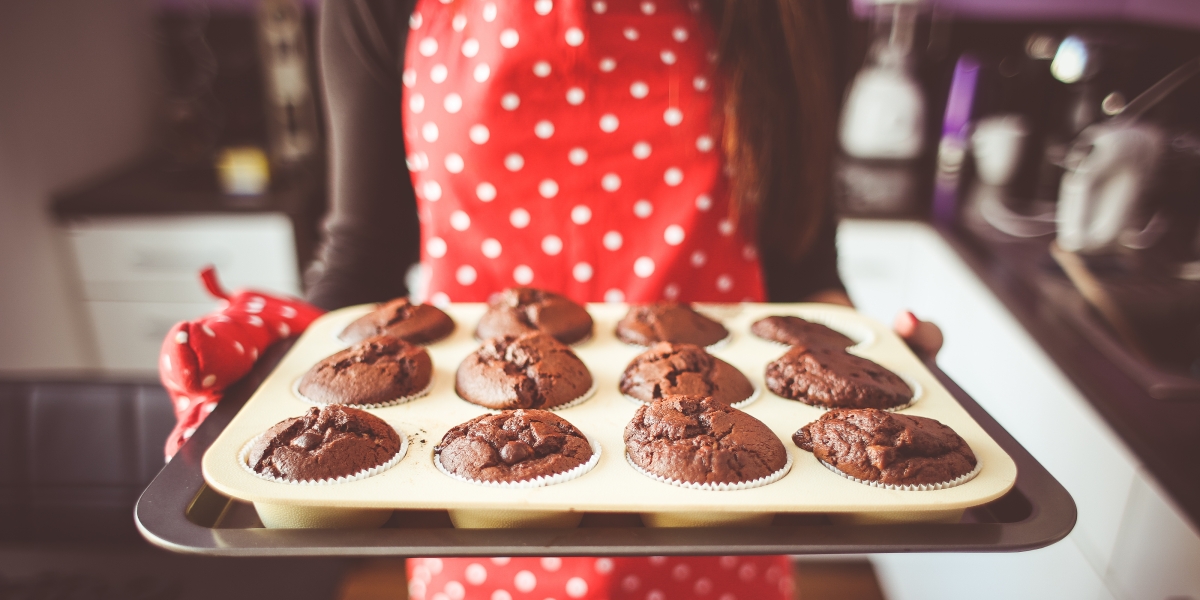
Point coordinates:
pixel 1129 542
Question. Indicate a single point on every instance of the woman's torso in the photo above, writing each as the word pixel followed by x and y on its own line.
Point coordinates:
pixel 570 146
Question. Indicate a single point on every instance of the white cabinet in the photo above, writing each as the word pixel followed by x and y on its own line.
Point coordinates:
pixel 139 275
pixel 1127 536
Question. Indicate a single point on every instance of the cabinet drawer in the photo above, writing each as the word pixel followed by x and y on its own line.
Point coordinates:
pixel 246 249
pixel 130 334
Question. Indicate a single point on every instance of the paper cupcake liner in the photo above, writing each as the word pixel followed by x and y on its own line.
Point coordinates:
pixel 923 487
pixel 400 400
pixel 337 336
pixel 721 343
pixel 716 487
pixel 740 404
pixel 860 334
pixel 916 388
pixel 576 402
pixel 590 336
pixel 591 391
pixel 713 347
pixel 244 460
pixel 540 481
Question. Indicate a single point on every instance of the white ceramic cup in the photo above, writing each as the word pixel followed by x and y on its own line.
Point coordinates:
pixel 996 144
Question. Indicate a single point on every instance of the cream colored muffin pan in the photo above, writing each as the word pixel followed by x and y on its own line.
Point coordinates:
pixel 613 485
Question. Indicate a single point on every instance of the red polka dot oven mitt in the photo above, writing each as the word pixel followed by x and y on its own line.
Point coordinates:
pixel 201 358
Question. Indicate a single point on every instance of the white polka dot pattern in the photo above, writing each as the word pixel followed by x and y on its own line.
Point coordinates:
pixel 581 214
pixel 573 146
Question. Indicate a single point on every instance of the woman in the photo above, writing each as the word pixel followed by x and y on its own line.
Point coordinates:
pixel 611 150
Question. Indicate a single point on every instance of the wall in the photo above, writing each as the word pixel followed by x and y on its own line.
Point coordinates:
pixel 77 97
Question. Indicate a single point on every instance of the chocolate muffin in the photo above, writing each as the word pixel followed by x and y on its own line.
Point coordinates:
pixel 835 379
pixel 648 324
pixel 400 318
pixel 683 369
pixel 326 443
pixel 375 371
pixel 517 311
pixel 531 371
pixel 515 445
pixel 875 445
pixel 795 331
pixel 699 440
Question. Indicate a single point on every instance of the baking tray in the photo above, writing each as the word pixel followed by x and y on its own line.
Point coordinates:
pixel 414 483
pixel 181 513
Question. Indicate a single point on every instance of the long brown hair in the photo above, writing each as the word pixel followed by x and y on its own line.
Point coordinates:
pixel 780 114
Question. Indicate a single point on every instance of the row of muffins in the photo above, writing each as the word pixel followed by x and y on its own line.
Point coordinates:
pixel 688 431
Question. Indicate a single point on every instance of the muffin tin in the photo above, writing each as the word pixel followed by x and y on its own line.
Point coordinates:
pixel 612 486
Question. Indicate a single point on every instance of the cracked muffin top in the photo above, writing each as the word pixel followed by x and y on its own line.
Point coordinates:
pixel 400 318
pixel 795 331
pixel 516 311
pixel 683 369
pixel 699 440
pixel 530 371
pixel 375 371
pixel 516 445
pixel 875 445
pixel 648 324
pixel 835 379
pixel 325 443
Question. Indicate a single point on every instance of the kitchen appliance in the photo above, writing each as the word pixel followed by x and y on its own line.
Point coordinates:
pixel 884 113
pixel 1113 167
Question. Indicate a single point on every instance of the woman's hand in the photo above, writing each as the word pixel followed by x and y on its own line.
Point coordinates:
pixel 924 337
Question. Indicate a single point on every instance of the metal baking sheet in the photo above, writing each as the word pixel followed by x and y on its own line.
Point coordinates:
pixel 180 513
pixel 612 486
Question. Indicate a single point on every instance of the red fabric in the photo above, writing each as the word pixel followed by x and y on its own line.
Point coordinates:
pixel 201 358
pixel 653 578
pixel 571 146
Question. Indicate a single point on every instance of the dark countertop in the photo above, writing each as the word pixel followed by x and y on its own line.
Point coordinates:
pixel 153 188
pixel 1161 432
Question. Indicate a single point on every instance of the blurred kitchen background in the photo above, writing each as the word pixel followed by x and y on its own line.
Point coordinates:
pixel 1025 173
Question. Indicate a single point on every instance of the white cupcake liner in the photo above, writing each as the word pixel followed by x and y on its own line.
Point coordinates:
pixel 713 347
pixel 337 336
pixel 540 481
pixel 719 311
pixel 923 487
pixel 862 335
pixel 586 339
pixel 721 343
pixel 716 487
pixel 400 400
pixel 244 460
pixel 740 404
pixel 591 391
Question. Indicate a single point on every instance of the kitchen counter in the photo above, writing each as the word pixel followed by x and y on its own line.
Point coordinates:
pixel 1160 432
pixel 1009 344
